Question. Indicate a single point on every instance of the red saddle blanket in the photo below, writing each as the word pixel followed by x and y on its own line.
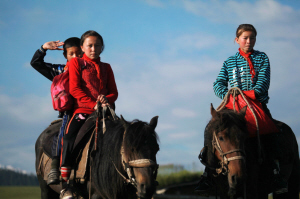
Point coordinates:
pixel 265 123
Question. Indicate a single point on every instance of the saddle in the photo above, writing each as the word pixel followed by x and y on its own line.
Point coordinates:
pixel 84 139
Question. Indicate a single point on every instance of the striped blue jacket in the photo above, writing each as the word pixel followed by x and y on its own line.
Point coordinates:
pixel 236 71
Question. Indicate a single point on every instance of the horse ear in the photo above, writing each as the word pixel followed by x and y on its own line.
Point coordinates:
pixel 213 112
pixel 124 122
pixel 153 122
pixel 243 111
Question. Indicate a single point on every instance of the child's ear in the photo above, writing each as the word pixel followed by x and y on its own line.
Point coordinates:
pixel 236 40
pixel 65 55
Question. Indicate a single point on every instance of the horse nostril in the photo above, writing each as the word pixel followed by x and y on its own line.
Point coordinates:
pixel 143 187
pixel 234 180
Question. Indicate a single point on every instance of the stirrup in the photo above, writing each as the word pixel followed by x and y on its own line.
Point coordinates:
pixel 66 193
pixel 53 177
pixel 204 185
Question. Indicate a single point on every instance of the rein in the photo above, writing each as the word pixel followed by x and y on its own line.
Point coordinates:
pixel 235 91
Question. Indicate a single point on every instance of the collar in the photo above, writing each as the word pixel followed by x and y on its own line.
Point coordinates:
pixel 97 61
pixel 239 56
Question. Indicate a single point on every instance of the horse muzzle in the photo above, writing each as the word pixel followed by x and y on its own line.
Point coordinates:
pixel 146 191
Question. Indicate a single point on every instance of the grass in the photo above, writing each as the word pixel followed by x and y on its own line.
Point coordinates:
pixel 178 177
pixel 20 192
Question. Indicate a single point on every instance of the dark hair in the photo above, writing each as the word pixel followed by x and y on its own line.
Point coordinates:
pixel 71 42
pixel 92 33
pixel 245 27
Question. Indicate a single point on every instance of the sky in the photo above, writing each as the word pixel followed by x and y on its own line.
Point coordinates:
pixel 165 55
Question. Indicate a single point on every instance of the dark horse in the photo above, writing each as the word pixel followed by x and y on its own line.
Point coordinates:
pixel 123 165
pixel 234 161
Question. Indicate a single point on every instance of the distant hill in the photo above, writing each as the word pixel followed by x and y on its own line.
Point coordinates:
pixel 9 177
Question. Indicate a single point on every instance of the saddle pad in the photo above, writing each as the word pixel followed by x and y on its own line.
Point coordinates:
pixel 45 165
pixel 265 123
pixel 50 132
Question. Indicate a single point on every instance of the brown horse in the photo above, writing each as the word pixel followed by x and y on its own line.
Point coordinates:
pixel 233 157
pixel 124 163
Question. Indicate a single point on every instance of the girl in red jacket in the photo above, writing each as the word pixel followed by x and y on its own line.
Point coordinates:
pixel 90 81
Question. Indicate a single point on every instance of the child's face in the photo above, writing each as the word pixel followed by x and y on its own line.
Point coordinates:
pixel 246 41
pixel 72 52
pixel 92 47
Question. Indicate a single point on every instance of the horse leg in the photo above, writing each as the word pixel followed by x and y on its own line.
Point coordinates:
pixel 292 171
pixel 46 191
pixel 293 182
pixel 251 182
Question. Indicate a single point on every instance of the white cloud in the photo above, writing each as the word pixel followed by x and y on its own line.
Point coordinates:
pixel 183 135
pixel 261 11
pixel 165 126
pixel 19 157
pixel 27 108
pixel 191 42
pixel 273 18
pixel 184 113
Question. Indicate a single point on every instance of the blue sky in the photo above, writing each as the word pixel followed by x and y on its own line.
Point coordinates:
pixel 165 56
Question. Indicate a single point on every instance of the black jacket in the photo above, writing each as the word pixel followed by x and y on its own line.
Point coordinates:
pixel 47 69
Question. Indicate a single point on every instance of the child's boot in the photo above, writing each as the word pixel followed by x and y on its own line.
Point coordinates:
pixel 67 191
pixel 204 184
pixel 53 176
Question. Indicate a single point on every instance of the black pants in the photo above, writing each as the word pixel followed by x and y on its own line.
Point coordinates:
pixel 69 138
pixel 56 144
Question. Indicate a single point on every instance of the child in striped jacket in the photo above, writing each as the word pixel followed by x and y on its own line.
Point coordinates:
pixel 248 69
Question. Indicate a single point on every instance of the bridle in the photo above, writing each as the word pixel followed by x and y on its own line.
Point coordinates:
pixel 224 160
pixel 129 165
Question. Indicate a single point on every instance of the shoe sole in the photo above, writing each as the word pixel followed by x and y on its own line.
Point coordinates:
pixel 53 182
pixel 281 191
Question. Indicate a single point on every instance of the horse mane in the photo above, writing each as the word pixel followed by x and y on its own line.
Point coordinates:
pixel 108 150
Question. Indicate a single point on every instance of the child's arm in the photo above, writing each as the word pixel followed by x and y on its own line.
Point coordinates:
pixel 47 69
pixel 263 78
pixel 220 86
pixel 112 86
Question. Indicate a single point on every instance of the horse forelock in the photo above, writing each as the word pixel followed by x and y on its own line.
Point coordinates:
pixel 140 135
pixel 228 119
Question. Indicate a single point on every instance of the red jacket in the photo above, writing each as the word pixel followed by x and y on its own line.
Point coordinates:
pixel 87 82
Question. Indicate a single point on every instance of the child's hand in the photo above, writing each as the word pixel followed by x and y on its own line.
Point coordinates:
pixel 53 45
pixel 102 99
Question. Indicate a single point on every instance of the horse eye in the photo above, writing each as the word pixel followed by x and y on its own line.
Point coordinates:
pixel 221 138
